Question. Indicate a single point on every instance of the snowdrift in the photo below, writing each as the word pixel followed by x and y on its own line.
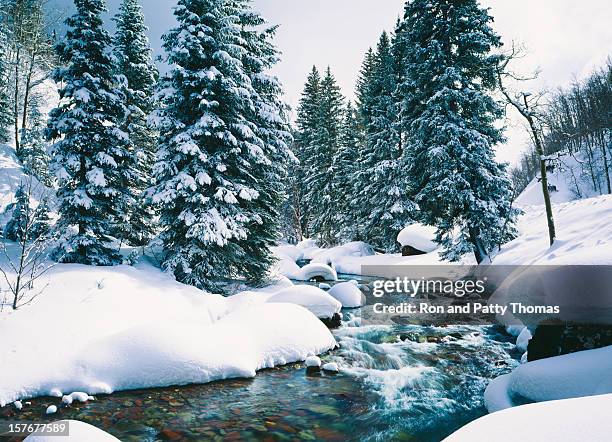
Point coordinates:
pixel 584 373
pixel 570 420
pixel 99 330
pixel 419 236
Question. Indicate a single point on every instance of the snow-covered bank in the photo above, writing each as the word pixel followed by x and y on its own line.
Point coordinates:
pixel 570 420
pixel 99 330
pixel 585 373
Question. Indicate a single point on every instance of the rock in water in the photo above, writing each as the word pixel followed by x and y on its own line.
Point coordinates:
pixel 51 409
pixel 313 364
pixel 331 367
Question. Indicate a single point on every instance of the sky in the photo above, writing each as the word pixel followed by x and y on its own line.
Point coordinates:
pixel 565 39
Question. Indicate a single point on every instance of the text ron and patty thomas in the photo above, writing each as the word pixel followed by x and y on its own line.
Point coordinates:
pixel 458 288
pixel 407 308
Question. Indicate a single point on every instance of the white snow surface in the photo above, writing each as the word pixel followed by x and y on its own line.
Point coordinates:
pixel 348 294
pixel 419 236
pixel 584 373
pixel 567 178
pixel 570 420
pixel 79 432
pixel 332 256
pixel 319 302
pixel 100 329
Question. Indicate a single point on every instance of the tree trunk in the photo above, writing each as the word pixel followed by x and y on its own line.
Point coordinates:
pixel 540 151
pixel 16 103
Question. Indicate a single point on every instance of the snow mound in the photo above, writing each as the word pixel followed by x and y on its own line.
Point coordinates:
pixel 319 302
pixel 313 361
pixel 287 251
pixel 348 294
pixel 119 328
pixel 335 254
pixel 79 432
pixel 316 270
pixel 419 236
pixel 584 373
pixel 570 420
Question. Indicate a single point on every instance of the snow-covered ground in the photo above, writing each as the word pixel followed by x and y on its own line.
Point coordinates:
pixel 570 420
pixel 98 330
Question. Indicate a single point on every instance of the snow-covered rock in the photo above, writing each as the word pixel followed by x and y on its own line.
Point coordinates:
pixel 313 361
pixel 319 302
pixel 348 294
pixel 76 396
pixel 522 341
pixel 324 286
pixel 79 432
pixel 419 236
pixel 18 405
pixel 583 373
pixel 331 367
pixel 570 420
pixel 51 409
pixel 315 270
pixel 288 251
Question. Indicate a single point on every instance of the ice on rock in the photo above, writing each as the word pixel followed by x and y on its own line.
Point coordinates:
pixel 348 294
pixel 18 405
pixel 324 286
pixel 51 409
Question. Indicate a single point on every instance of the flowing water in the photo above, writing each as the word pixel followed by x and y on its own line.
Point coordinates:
pixel 398 382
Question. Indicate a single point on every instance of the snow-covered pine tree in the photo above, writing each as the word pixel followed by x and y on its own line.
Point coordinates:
pixel 345 165
pixel 213 153
pixel 382 189
pixel 20 211
pixel 133 52
pixel 450 115
pixel 307 122
pixel 34 147
pixel 320 194
pixel 92 162
pixel 269 121
pixel 5 113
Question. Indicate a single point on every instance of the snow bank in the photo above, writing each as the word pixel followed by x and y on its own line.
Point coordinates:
pixel 98 330
pixel 316 270
pixel 79 432
pixel 319 302
pixel 348 294
pixel 335 254
pixel 583 373
pixel 584 235
pixel 419 236
pixel 570 420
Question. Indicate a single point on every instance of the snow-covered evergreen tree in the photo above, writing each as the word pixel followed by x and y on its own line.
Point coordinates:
pixel 26 223
pixel 307 122
pixel 269 121
pixel 320 193
pixel 91 157
pixel 221 132
pixel 20 210
pixel 34 147
pixel 382 191
pixel 133 52
pixel 346 167
pixel 449 116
